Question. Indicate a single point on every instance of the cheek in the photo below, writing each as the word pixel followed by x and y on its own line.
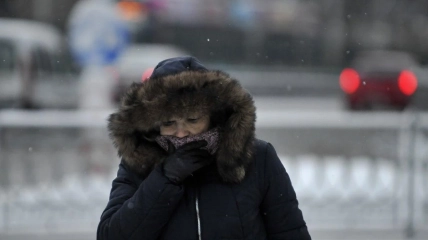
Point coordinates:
pixel 166 131
pixel 194 130
pixel 199 128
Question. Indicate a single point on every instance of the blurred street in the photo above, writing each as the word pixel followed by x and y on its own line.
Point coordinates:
pixel 331 104
pixel 340 87
pixel 362 185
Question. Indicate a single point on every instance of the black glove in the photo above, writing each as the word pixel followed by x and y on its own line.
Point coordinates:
pixel 182 162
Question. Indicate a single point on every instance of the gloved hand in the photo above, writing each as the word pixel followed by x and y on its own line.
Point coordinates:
pixel 182 162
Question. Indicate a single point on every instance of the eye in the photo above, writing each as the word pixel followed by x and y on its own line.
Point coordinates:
pixel 193 120
pixel 168 123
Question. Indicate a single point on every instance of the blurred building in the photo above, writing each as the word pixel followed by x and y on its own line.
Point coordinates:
pixel 51 11
pixel 299 33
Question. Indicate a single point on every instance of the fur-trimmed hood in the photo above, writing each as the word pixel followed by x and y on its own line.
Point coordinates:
pixel 147 104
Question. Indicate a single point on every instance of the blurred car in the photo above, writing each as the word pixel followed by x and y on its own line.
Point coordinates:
pixel 36 70
pixel 380 80
pixel 136 63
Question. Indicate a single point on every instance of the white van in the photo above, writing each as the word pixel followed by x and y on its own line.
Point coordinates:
pixel 36 70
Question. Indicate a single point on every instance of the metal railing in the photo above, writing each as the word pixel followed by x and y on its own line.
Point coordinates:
pixel 349 170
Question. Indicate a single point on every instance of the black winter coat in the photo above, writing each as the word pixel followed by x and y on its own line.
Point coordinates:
pixel 263 206
pixel 246 192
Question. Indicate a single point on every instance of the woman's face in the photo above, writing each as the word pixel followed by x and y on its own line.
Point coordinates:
pixel 184 127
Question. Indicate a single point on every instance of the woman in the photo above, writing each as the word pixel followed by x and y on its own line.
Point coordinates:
pixel 191 166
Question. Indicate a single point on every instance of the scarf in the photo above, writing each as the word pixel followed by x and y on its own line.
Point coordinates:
pixel 211 136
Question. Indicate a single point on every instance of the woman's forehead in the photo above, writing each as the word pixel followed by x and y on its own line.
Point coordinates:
pixel 187 115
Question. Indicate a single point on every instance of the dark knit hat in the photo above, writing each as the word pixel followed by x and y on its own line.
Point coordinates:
pixel 177 65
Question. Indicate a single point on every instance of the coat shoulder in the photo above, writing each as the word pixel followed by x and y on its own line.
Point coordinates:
pixel 266 159
pixel 259 153
pixel 263 150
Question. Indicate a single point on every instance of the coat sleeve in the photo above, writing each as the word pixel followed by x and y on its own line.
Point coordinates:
pixel 280 208
pixel 138 209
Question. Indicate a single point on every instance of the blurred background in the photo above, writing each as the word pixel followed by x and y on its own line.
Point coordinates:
pixel 341 89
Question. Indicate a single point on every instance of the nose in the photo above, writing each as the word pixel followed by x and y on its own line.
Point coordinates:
pixel 181 132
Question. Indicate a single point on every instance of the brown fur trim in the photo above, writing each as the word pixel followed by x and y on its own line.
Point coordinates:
pixel 147 104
